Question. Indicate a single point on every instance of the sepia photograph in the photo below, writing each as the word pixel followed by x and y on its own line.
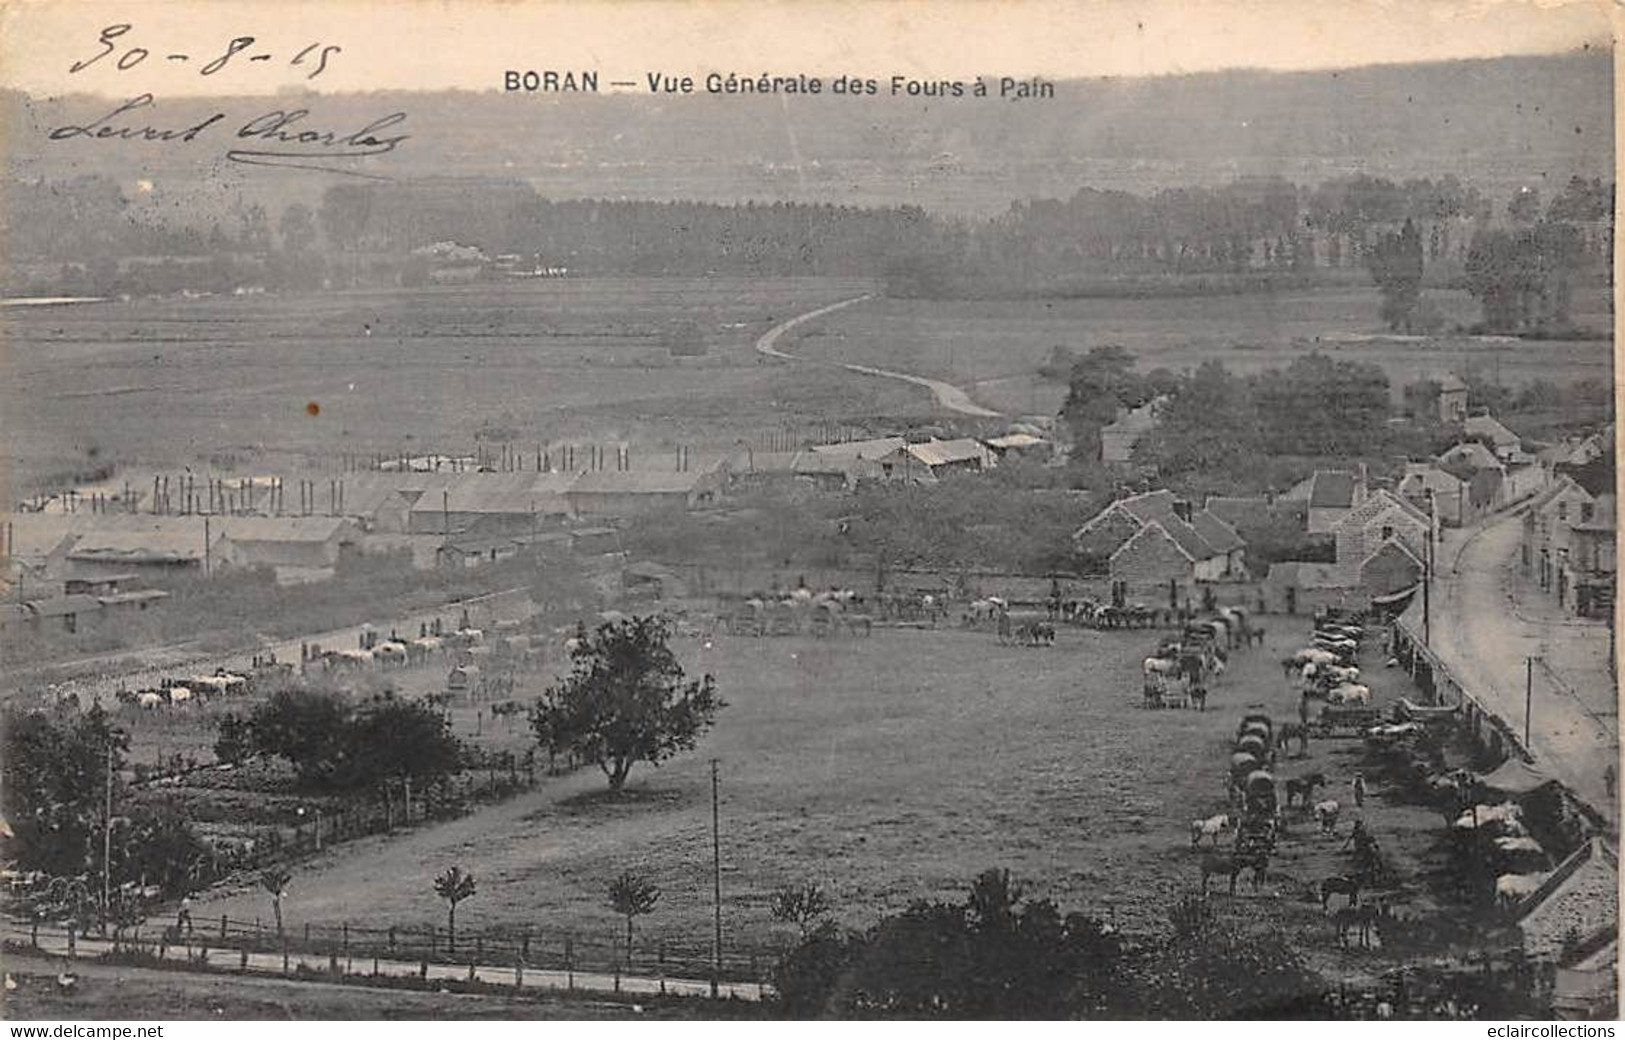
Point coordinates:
pixel 841 510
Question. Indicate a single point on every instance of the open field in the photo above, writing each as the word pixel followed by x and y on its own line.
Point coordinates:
pixel 167 381
pixel 993 347
pixel 888 770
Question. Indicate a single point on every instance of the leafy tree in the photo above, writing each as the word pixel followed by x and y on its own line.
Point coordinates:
pixel 1102 382
pixel 625 701
pixel 632 896
pixel 54 771
pixel 994 955
pixel 1208 425
pixel 1396 267
pixel 275 882
pixel 298 228
pixel 306 728
pixel 453 886
pixel 334 744
pixel 800 905
pixel 1208 970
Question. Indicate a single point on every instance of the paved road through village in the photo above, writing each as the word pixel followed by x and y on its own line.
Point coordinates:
pixel 1488 619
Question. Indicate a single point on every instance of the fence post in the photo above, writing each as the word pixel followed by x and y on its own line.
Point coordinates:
pixel 423 969
pixel 660 956
pixel 222 927
pixel 242 959
pixel 307 933
pixel 391 938
pixel 617 974
pixel 73 944
pixel 471 969
pixel 33 933
pixel 569 964
pixel 524 945
pixel 375 965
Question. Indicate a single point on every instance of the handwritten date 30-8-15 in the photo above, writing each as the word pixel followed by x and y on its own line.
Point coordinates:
pixel 280 137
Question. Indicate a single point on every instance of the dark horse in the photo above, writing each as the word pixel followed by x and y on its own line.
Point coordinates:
pixel 1303 787
pixel 1290 731
pixel 1231 866
pixel 1345 885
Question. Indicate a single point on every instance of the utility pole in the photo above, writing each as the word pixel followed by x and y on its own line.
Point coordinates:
pixel 1427 577
pixel 206 550
pixel 107 842
pixel 1528 696
pixel 716 881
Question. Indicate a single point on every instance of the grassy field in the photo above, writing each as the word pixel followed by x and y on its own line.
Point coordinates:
pixel 166 381
pixel 888 770
pixel 993 347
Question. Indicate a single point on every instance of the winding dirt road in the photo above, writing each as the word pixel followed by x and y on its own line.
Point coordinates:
pixel 946 394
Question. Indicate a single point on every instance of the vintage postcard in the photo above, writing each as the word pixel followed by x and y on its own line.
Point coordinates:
pixel 827 510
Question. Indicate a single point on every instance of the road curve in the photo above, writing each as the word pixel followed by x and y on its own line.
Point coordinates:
pixel 947 395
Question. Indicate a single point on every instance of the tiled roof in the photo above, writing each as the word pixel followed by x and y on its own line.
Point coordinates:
pixel 1491 427
pixel 1474 453
pixel 1332 489
pixel 1216 532
pixel 942 453
pixel 870 449
pixel 1373 506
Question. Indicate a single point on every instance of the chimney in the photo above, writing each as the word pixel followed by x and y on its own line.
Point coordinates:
pixel 1182 509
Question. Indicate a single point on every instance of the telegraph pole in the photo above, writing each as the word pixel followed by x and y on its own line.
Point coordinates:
pixel 716 881
pixel 1528 696
pixel 1427 578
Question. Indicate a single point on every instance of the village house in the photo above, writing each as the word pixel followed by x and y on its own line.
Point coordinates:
pixel 790 469
pixel 493 504
pixel 1383 517
pixel 1590 568
pixel 1548 534
pixel 933 459
pixel 626 493
pixel 157 548
pixel 1153 539
pixel 874 449
pixel 1329 495
pixel 1503 442
pixel 1448 492
pixel 1019 444
pixel 1452 400
pixel 295 548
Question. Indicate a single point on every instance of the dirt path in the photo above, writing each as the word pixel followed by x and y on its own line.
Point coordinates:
pixel 947 395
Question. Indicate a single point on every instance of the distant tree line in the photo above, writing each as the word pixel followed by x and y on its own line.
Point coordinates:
pixel 106 242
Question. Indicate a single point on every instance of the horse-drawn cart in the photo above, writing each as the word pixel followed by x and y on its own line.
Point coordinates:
pixel 1344 720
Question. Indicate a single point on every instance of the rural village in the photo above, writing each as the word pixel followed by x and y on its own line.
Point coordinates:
pixel 445 592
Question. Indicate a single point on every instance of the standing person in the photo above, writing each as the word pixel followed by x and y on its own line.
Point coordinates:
pixel 184 918
pixel 1359 790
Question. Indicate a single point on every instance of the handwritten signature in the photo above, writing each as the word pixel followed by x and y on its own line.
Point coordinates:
pixel 281 137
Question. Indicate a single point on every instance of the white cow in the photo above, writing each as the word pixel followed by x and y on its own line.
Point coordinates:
pixel 1512 888
pixel 179 694
pixel 150 701
pixel 1506 815
pixel 1210 828
pixel 1349 693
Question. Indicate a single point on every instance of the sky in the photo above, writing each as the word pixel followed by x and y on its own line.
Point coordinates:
pixel 435 44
